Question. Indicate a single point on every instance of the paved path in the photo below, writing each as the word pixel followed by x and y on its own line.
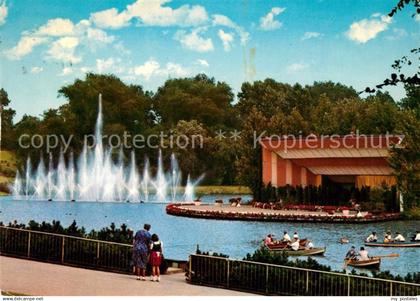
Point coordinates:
pixel 45 279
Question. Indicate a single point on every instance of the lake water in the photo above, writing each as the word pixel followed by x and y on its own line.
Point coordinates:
pixel 181 235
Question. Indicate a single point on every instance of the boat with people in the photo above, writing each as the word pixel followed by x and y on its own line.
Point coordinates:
pixel 396 244
pixel 301 252
pixel 284 244
pixel 371 263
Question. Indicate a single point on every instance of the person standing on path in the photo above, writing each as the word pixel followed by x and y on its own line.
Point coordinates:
pixel 156 249
pixel 141 245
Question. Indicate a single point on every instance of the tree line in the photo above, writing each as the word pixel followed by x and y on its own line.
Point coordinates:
pixel 201 105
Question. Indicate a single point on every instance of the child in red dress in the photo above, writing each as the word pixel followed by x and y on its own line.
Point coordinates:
pixel 156 250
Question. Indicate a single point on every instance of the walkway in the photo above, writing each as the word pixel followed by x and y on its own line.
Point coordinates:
pixel 45 279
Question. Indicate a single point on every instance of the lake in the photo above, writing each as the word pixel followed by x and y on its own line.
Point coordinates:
pixel 181 235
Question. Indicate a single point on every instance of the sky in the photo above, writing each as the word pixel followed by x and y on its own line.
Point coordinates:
pixel 50 43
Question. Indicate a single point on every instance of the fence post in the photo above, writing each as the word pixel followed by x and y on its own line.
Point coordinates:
pixel 62 249
pixel 29 245
pixel 190 267
pixel 307 281
pixel 266 279
pixel 390 288
pixel 227 273
pixel 97 253
pixel 348 285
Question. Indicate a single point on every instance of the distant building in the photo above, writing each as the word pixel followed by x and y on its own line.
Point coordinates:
pixel 346 160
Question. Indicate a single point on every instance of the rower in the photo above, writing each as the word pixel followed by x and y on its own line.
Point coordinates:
pixel 372 237
pixel 286 237
pixel 295 245
pixel 351 254
pixel 399 237
pixel 417 237
pixel 296 235
pixel 388 237
pixel 309 245
pixel 344 240
pixel 363 254
pixel 268 239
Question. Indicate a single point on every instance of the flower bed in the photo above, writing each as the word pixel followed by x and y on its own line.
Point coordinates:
pixel 189 210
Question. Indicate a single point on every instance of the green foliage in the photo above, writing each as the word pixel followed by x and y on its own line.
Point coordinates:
pixel 405 160
pixel 412 101
pixel 201 106
pixel 200 98
pixel 279 277
pixel 126 107
pixel 8 139
pixel 111 233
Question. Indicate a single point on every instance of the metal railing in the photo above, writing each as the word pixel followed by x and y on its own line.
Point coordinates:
pixel 64 249
pixel 272 279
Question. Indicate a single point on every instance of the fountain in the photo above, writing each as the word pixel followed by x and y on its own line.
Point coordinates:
pixel 96 177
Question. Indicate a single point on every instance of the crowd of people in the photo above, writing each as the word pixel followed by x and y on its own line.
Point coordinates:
pixel 147 249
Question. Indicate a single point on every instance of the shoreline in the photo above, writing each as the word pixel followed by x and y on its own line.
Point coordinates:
pixel 249 213
pixel 199 190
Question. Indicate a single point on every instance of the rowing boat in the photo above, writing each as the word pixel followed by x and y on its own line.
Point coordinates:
pixel 372 263
pixel 301 252
pixel 393 244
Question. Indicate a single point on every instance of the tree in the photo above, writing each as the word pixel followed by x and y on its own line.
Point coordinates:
pixel 249 165
pixel 412 100
pixel 28 125
pixel 194 157
pixel 197 98
pixel 8 138
pixel 126 105
pixel 405 160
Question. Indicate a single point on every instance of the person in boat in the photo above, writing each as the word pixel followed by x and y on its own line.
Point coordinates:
pixel 372 237
pixel 269 240
pixel 295 235
pixel 344 240
pixel 388 237
pixel 399 237
pixel 351 254
pixel 286 237
pixel 363 254
pixel 417 236
pixel 309 245
pixel 294 245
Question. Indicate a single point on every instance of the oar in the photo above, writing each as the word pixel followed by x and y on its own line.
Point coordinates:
pixel 388 255
pixel 346 262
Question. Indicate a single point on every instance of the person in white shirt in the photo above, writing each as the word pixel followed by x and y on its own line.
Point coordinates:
pixel 295 245
pixel 417 237
pixel 372 237
pixel 363 254
pixel 309 245
pixel 286 237
pixel 296 235
pixel 399 237
pixel 388 237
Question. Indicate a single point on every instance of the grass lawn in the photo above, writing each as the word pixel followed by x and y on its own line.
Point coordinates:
pixel 203 190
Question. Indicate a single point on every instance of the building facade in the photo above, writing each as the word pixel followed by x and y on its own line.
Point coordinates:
pixel 350 160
